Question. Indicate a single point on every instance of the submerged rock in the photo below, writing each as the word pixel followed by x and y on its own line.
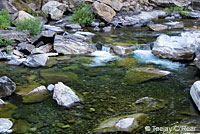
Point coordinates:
pixel 176 47
pixel 7 86
pixel 5 125
pixel 158 27
pixel 139 75
pixel 21 127
pixel 54 75
pixel 38 94
pixel 7 109
pixel 36 60
pixel 128 123
pixel 148 104
pixel 127 62
pixel 64 95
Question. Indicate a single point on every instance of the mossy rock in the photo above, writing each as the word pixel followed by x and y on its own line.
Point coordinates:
pixel 51 62
pixel 36 97
pixel 148 104
pixel 7 109
pixel 55 75
pixel 139 75
pixel 127 123
pixel 26 88
pixel 127 62
pixel 71 67
pixel 21 127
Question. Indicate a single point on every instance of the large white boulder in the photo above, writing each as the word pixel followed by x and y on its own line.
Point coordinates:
pixel 55 9
pixel 176 47
pixel 195 93
pixel 64 95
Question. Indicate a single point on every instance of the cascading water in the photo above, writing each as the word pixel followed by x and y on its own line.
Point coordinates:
pixel 102 56
pixel 146 57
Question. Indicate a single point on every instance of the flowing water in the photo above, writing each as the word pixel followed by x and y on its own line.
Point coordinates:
pixel 99 79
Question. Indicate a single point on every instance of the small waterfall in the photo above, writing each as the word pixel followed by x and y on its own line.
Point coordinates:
pixel 146 57
pixel 106 49
pixel 102 56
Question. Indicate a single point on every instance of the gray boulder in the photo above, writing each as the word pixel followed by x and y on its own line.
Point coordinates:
pixel 25 46
pixel 20 36
pixel 4 4
pixel 7 86
pixel 36 60
pixel 16 61
pixel 55 9
pixel 64 95
pixel 42 49
pixel 170 3
pixel 115 4
pixel 73 26
pixel 104 11
pixel 176 47
pixel 45 36
pixel 53 28
pixel 70 44
pixel 158 27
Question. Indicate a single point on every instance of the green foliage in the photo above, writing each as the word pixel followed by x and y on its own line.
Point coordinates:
pixel 46 14
pixel 82 15
pixel 33 12
pixel 5 19
pixel 176 9
pixel 32 25
pixel 5 42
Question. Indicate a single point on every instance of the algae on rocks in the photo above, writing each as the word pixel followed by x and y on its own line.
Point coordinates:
pixel 128 123
pixel 139 75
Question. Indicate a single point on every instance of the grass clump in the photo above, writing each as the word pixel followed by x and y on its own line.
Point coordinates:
pixel 176 9
pixel 82 15
pixel 32 25
pixel 5 42
pixel 5 19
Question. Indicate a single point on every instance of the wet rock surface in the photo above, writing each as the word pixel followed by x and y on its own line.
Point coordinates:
pixel 128 123
pixel 64 95
pixel 7 86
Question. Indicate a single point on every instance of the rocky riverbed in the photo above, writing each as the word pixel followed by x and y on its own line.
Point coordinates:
pixel 130 70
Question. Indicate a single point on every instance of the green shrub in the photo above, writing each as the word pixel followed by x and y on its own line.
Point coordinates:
pixel 5 42
pixel 32 25
pixel 176 9
pixel 46 14
pixel 5 19
pixel 82 15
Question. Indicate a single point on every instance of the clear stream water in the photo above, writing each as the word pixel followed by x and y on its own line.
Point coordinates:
pixel 99 80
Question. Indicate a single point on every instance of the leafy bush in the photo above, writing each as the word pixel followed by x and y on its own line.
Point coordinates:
pixel 32 25
pixel 82 15
pixel 5 42
pixel 176 9
pixel 5 19
pixel 46 14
